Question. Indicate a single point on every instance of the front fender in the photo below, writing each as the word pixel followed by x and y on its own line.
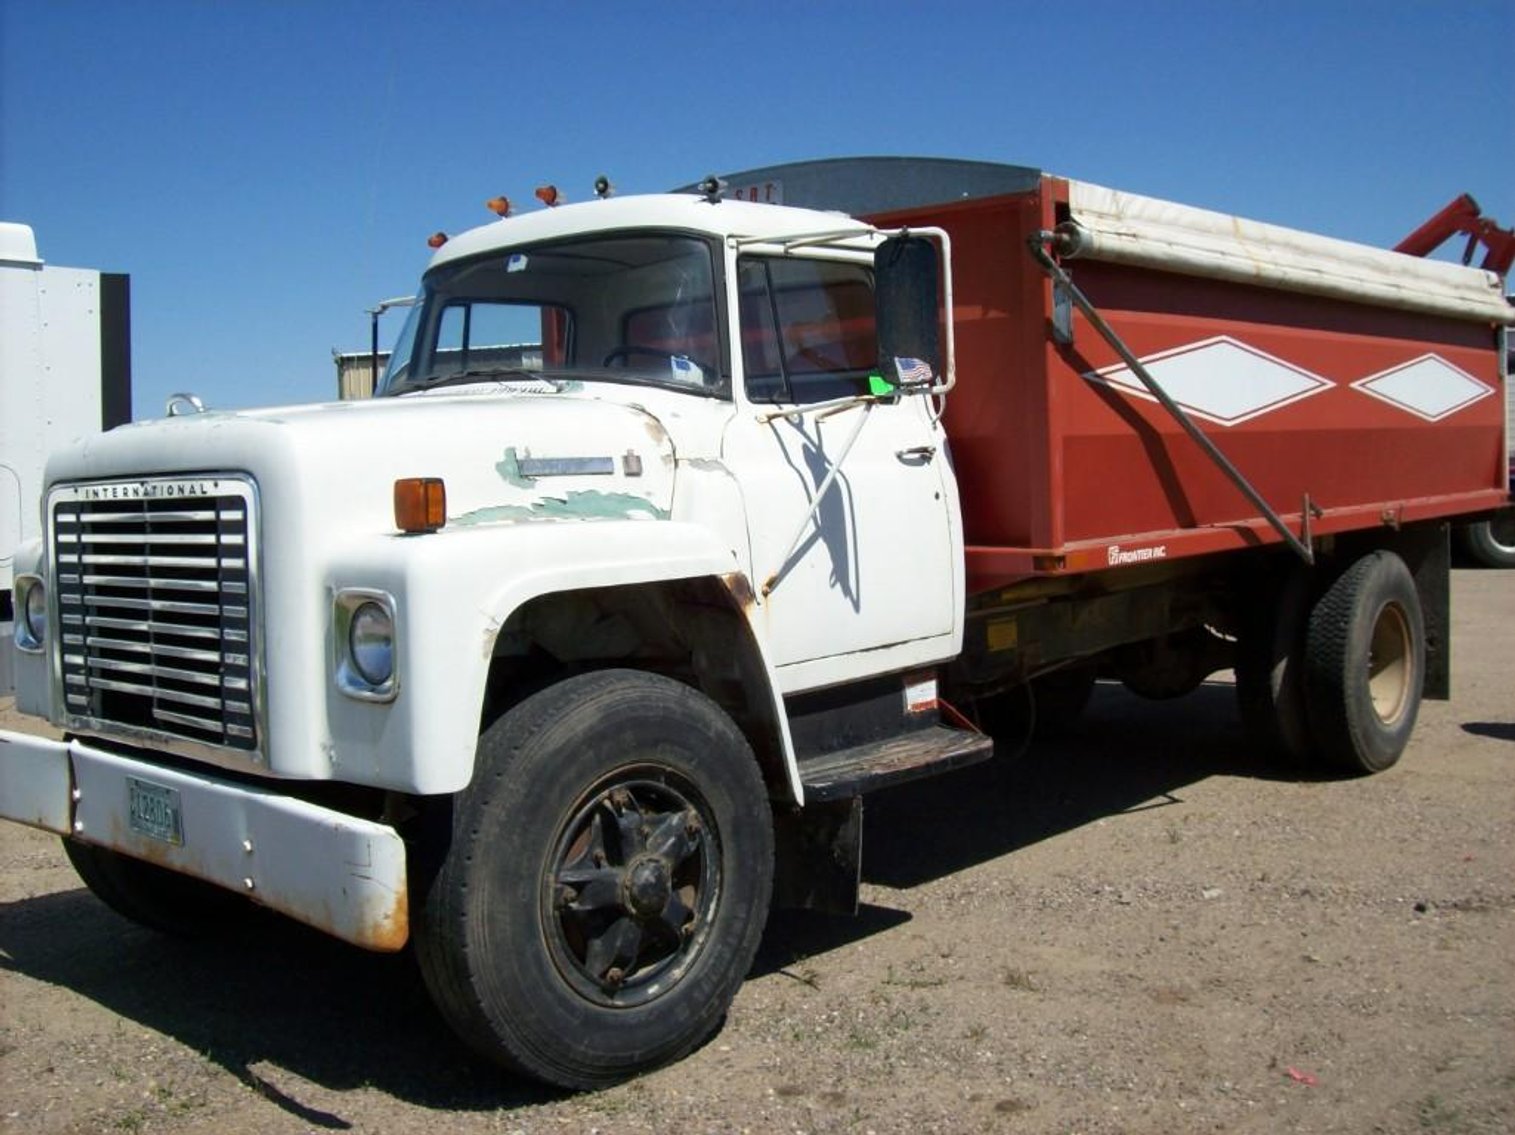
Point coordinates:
pixel 453 591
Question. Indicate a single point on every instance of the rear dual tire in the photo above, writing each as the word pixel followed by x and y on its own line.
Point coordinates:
pixel 1365 664
pixel 1490 543
pixel 1336 681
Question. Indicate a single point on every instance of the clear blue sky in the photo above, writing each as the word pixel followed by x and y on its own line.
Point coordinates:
pixel 266 171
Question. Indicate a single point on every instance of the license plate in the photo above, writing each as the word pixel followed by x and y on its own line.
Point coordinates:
pixel 154 811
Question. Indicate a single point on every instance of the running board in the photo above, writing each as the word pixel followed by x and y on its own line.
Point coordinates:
pixel 878 764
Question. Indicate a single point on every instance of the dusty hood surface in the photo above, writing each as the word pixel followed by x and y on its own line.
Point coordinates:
pixel 504 459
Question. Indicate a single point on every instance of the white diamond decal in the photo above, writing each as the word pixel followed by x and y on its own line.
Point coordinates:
pixel 1428 387
pixel 1220 380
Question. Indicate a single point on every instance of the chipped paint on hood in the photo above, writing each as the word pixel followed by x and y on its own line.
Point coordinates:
pixel 334 465
pixel 583 504
pixel 542 483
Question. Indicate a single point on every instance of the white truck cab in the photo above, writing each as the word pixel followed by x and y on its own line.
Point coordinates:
pixel 500 658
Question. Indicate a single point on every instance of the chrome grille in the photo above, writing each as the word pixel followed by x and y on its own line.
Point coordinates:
pixel 155 590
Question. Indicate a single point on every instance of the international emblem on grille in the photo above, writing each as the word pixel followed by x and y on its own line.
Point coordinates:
pixel 156 593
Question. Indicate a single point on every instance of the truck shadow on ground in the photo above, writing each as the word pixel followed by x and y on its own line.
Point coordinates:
pixel 283 1008
pixel 278 1006
pixel 1124 755
pixel 1498 730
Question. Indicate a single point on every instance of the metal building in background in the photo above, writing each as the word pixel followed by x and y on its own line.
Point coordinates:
pixel 65 372
pixel 355 372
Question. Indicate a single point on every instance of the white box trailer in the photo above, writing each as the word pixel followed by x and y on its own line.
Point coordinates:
pixel 65 371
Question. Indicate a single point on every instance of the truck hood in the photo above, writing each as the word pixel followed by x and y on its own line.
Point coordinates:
pixel 505 458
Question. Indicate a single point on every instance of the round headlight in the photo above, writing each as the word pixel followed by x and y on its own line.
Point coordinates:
pixel 371 643
pixel 34 614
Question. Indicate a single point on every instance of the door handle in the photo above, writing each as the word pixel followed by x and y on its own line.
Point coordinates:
pixel 920 454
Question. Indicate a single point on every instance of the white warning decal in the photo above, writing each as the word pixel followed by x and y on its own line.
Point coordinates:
pixel 1119 555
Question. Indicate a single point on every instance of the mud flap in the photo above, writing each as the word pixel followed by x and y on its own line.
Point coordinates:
pixel 818 855
pixel 1432 571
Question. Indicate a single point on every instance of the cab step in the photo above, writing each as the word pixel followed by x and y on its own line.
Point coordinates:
pixel 894 760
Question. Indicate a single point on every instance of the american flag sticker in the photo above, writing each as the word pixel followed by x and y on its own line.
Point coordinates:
pixel 912 372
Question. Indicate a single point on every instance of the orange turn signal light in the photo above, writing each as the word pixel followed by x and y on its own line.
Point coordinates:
pixel 549 195
pixel 436 240
pixel 420 504
pixel 499 205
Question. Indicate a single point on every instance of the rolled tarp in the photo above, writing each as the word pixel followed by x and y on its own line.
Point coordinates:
pixel 1126 228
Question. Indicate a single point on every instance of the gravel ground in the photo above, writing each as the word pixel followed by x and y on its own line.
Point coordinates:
pixel 1135 929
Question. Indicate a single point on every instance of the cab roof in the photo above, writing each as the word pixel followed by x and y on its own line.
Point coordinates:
pixel 667 211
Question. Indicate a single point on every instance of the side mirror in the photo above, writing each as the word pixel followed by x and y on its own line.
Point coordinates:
pixel 907 298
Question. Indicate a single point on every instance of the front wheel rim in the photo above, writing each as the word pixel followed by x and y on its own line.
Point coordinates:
pixel 631 887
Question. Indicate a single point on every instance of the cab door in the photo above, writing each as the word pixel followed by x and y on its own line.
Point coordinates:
pixel 851 507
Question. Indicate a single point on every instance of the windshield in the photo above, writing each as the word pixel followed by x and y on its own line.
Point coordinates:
pixel 629 308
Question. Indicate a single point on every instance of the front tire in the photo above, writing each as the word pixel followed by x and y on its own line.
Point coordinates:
pixel 607 881
pixel 1365 664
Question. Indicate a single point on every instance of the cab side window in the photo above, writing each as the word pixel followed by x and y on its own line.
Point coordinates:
pixel 806 328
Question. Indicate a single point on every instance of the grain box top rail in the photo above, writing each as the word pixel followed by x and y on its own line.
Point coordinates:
pixel 1111 225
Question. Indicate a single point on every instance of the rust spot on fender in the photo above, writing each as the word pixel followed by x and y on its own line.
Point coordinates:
pixel 741 590
pixel 655 429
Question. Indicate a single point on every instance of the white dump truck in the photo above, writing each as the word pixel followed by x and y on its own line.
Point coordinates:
pixel 680 522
